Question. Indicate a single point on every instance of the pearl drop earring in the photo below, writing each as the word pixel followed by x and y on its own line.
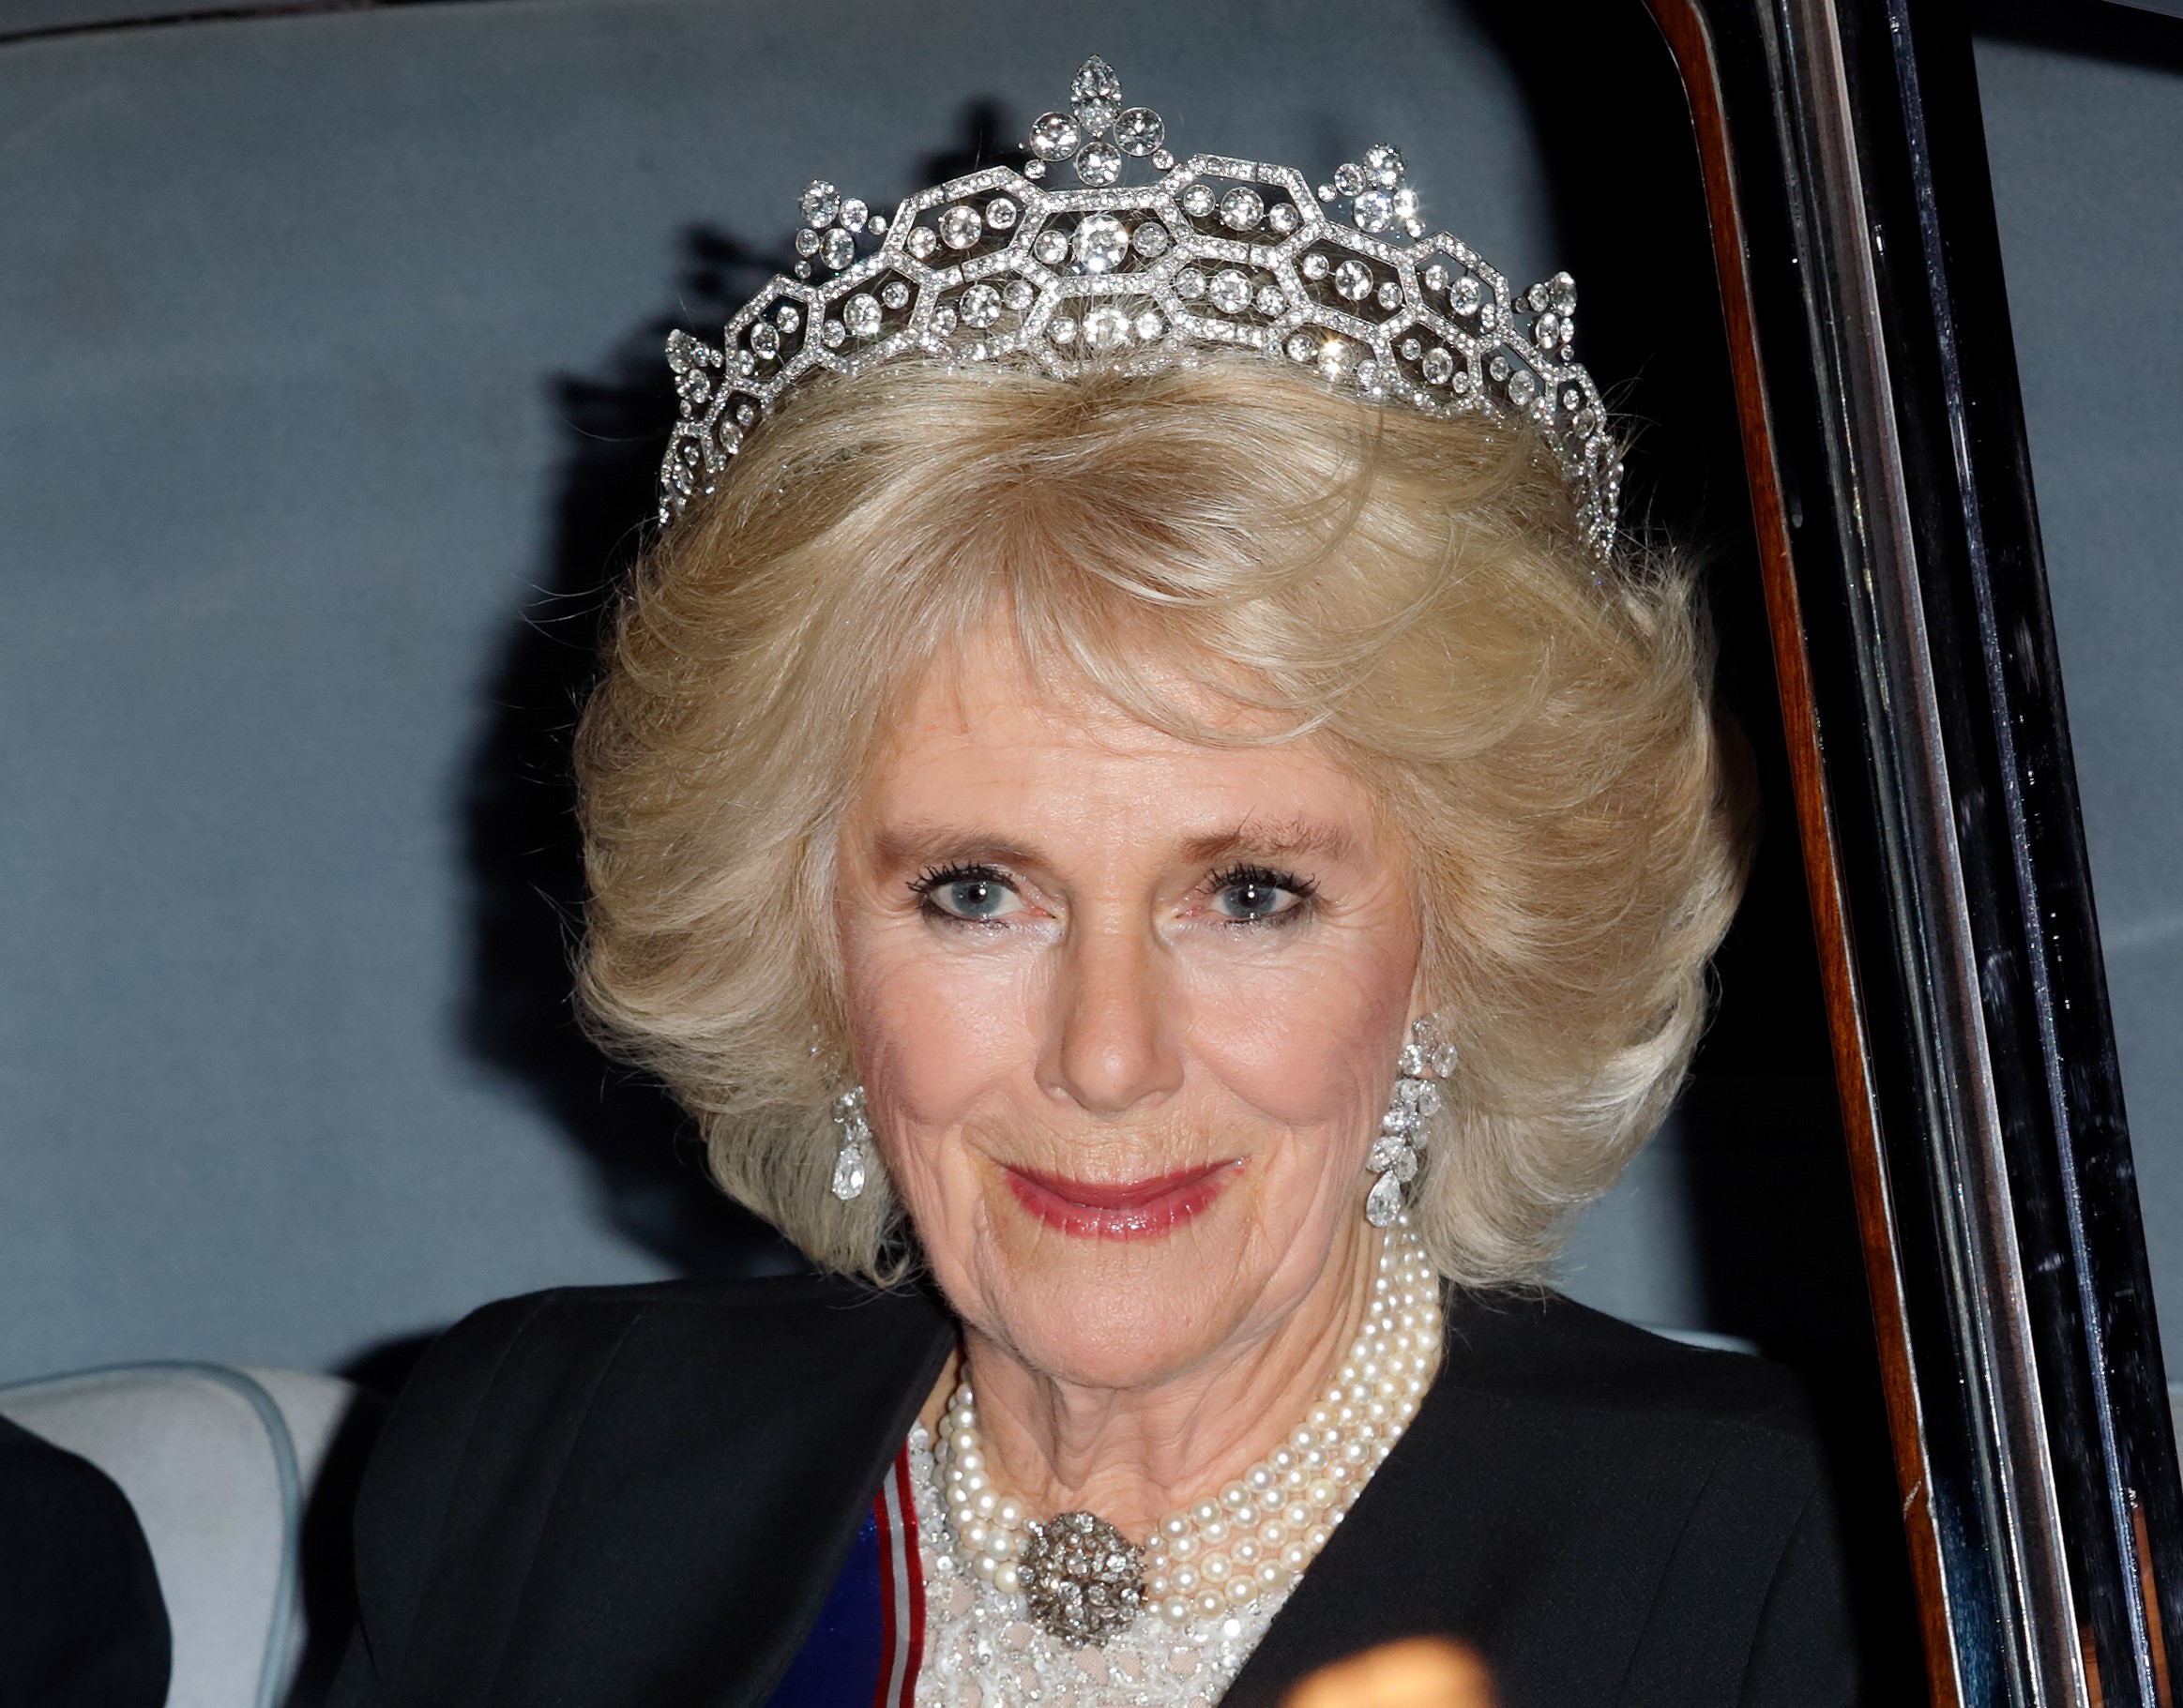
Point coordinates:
pixel 1398 1153
pixel 855 1130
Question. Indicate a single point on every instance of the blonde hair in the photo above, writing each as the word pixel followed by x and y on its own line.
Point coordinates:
pixel 1412 591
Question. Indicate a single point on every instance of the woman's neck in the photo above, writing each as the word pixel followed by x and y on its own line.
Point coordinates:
pixel 1134 1456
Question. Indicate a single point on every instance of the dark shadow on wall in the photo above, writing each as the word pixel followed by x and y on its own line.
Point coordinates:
pixel 1764 1161
pixel 520 810
pixel 1649 318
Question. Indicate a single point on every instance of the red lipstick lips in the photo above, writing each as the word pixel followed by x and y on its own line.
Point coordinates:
pixel 1130 1209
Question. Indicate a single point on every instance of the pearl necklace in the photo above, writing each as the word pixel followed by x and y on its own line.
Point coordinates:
pixel 1258 1534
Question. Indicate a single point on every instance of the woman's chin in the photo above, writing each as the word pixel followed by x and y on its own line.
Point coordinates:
pixel 1108 1308
pixel 1128 1341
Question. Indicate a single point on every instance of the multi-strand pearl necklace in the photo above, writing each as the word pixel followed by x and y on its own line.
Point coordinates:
pixel 1263 1529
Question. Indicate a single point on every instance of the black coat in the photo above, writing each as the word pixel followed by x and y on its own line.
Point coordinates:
pixel 82 1621
pixel 638 1497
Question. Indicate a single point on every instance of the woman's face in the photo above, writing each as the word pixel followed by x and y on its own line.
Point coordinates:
pixel 1127 1010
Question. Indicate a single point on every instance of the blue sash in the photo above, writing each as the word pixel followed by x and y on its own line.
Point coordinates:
pixel 869 1638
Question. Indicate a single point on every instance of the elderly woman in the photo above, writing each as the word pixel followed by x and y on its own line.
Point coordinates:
pixel 1148 821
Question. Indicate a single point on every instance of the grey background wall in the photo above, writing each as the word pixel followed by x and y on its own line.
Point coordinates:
pixel 328 384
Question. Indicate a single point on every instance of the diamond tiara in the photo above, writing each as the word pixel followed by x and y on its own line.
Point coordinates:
pixel 1211 253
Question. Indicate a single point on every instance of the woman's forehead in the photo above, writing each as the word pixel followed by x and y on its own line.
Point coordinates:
pixel 989 763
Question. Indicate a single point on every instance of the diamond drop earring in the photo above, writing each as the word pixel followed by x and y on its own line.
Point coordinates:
pixel 1396 1154
pixel 855 1130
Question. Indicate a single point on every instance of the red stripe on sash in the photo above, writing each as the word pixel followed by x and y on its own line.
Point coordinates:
pixel 902 1588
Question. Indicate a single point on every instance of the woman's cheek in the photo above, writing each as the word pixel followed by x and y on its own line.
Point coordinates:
pixel 937 1030
pixel 1301 1045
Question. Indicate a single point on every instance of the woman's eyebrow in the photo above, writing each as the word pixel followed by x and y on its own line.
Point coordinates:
pixel 928 844
pixel 1289 841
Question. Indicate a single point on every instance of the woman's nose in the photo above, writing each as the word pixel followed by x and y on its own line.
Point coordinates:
pixel 1111 1046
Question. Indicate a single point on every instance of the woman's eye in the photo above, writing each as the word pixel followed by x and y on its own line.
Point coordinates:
pixel 974 895
pixel 1248 896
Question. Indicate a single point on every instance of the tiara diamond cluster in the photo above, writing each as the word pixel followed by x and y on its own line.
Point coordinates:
pixel 1202 253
